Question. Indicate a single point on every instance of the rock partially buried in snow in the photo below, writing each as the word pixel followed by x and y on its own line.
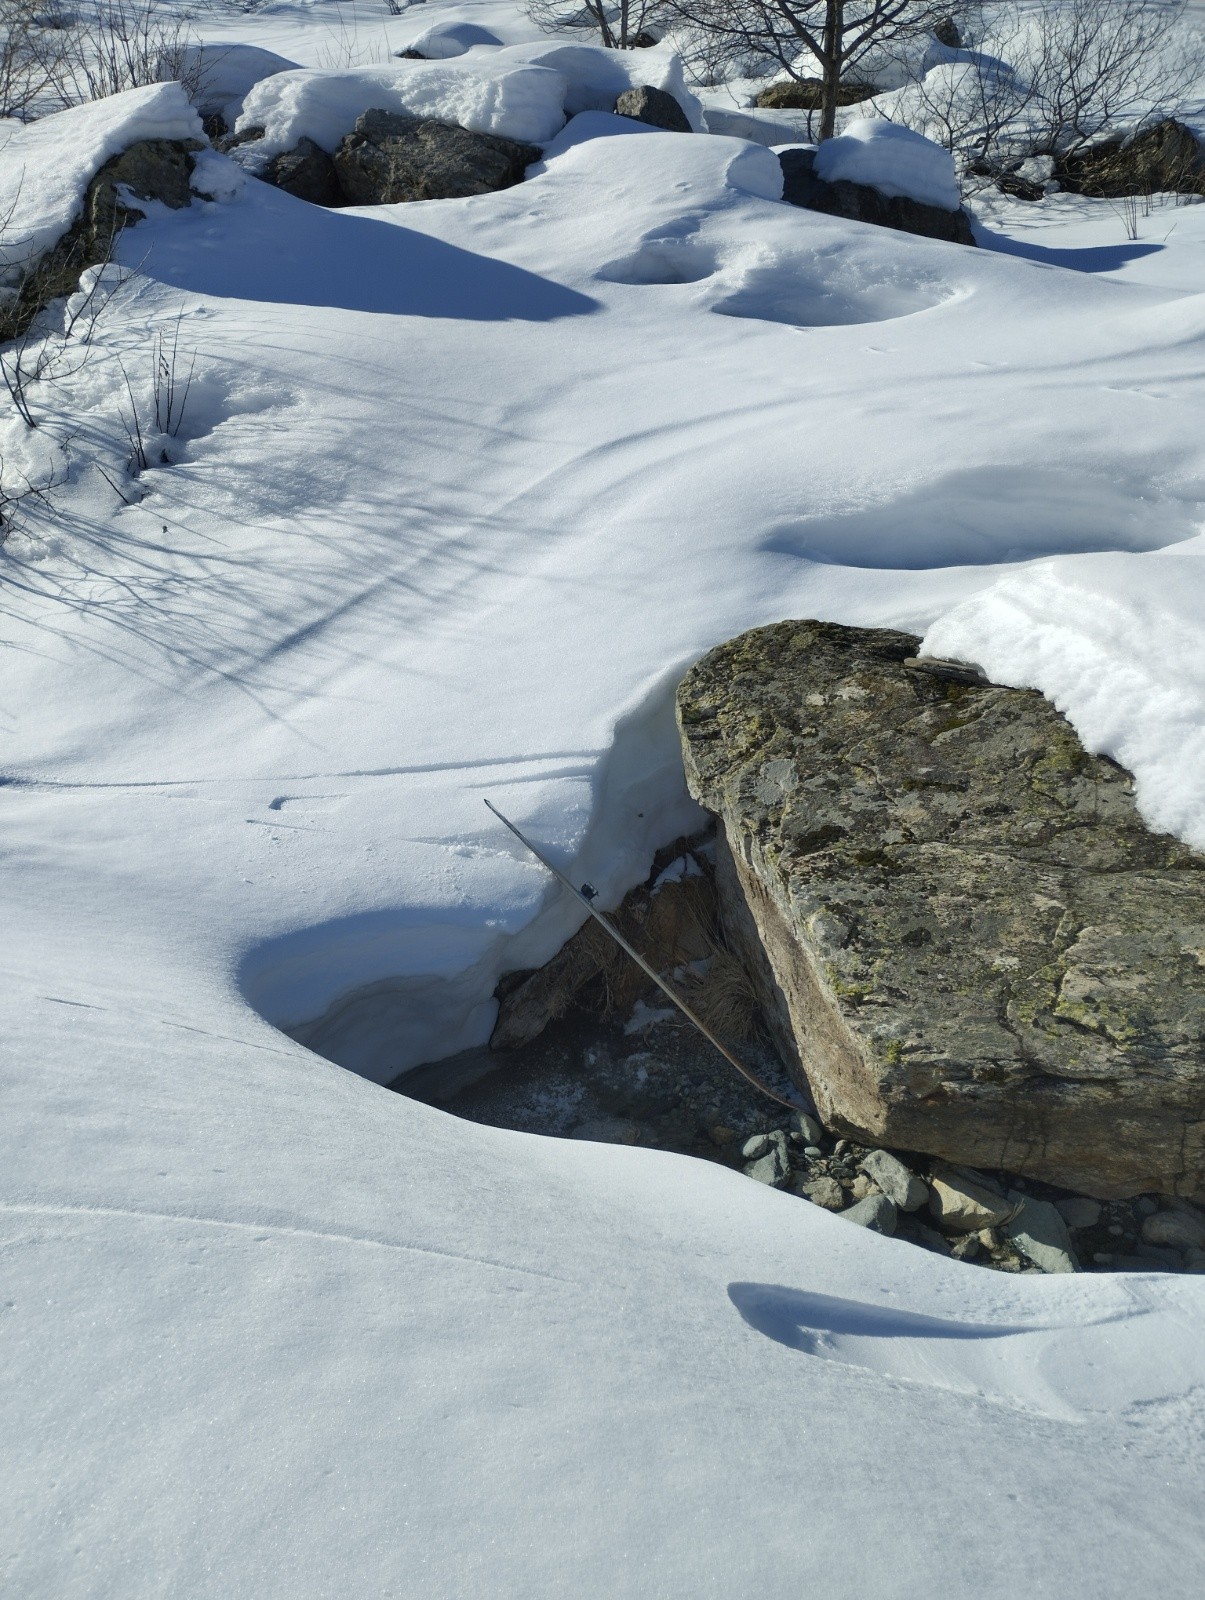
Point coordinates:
pixel 1040 1233
pixel 654 106
pixel 391 157
pixel 966 940
pixel 307 173
pixel 881 173
pixel 877 1212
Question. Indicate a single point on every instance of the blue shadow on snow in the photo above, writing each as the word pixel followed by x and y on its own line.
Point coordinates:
pixel 268 246
pixel 797 1318
pixel 1094 258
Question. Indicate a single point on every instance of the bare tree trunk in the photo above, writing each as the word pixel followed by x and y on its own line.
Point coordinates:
pixel 831 64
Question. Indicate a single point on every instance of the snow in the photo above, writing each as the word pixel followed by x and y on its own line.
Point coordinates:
pixel 219 75
pixel 462 489
pixel 518 102
pixel 893 159
pixel 442 42
pixel 46 166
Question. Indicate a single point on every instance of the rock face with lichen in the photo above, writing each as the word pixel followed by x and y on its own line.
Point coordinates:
pixel 967 941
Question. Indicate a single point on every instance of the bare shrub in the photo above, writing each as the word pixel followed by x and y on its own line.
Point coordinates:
pixel 1055 78
pixel 806 39
pixel 118 45
pixel 625 25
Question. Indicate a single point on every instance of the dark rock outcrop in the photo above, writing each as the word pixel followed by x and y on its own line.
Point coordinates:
pixel 390 157
pixel 806 94
pixel 655 107
pixel 152 169
pixel 860 203
pixel 308 173
pixel 967 941
pixel 1164 159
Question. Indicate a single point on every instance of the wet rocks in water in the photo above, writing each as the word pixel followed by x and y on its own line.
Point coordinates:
pixel 391 157
pixel 966 940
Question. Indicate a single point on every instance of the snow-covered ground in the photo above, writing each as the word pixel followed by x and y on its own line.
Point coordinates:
pixel 460 490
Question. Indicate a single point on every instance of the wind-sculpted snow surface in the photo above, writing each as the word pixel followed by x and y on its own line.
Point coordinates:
pixel 451 509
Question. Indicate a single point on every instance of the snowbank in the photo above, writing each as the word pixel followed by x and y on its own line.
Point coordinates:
pixel 220 75
pixel 597 77
pixel 445 40
pixel 1115 642
pixel 46 166
pixel 519 102
pixel 893 160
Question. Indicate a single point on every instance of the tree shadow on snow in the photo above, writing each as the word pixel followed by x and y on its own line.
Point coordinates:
pixel 268 246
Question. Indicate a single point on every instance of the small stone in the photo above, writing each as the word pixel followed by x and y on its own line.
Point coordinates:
pixel 809 1128
pixel 1194 1261
pixel 891 1175
pixel 826 1192
pixel 1124 1263
pixel 862 1187
pixel 1116 1230
pixel 1040 1233
pixel 1078 1212
pixel 988 1238
pixel 966 1248
pixel 1177 1229
pixel 756 1146
pixel 841 1146
pixel 1144 1206
pixel 928 1238
pixel 813 1152
pixel 772 1168
pixel 1103 1257
pixel 1171 1259
pixel 876 1212
pixel 720 1135
pixel 965 1205
pixel 607 1130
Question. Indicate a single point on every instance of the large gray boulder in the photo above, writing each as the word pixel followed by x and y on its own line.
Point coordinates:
pixel 655 107
pixel 391 157
pixel 1166 158
pixel 862 203
pixel 967 941
pixel 308 173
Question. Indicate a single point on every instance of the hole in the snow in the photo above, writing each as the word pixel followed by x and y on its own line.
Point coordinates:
pixel 588 1048
pixel 661 261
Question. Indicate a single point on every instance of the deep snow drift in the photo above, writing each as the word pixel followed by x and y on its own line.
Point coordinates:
pixel 460 490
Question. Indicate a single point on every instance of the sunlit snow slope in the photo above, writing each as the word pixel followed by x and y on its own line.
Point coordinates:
pixel 461 490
